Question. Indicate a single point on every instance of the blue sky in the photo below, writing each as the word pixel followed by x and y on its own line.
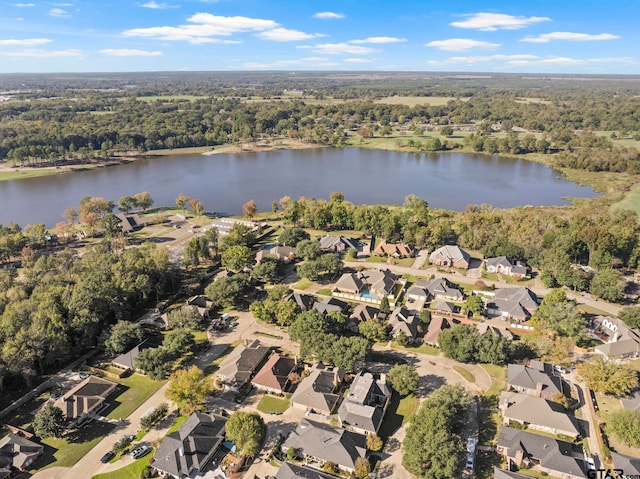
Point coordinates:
pixel 560 36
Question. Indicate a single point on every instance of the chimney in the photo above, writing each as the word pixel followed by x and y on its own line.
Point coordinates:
pixel 181 452
pixel 519 457
pixel 538 390
pixel 383 377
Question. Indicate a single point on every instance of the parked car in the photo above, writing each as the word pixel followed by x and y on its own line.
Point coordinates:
pixel 107 457
pixel 471 444
pixel 591 465
pixel 560 369
pixel 140 451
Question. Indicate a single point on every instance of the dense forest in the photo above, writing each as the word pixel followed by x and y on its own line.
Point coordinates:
pixel 83 118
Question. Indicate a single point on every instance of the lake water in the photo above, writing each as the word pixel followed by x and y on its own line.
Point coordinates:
pixel 224 182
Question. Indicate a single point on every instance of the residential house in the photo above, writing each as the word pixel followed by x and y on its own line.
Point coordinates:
pixel 86 398
pixel 392 249
pixel 364 406
pixel 304 301
pixel 405 321
pixel 274 375
pixel 338 244
pixel 225 225
pixel 293 471
pixel 484 328
pixel 502 474
pixel 445 307
pixel 620 340
pixel 18 453
pixel 203 305
pixel 510 267
pixel 126 360
pixel 362 312
pixel 549 455
pixel 368 286
pixel 418 291
pixel 537 413
pixel 328 305
pixel 442 289
pixel 450 255
pixel 538 379
pixel 191 448
pixel 319 443
pixel 436 326
pixel 513 303
pixel 286 254
pixel 317 392
pixel 129 223
pixel 238 368
pixel 632 402
pixel 630 465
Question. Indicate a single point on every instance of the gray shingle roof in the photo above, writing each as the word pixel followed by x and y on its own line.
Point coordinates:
pixel 405 321
pixel 527 377
pixel 243 361
pixel 630 465
pixel 327 443
pixel 502 474
pixel 450 251
pixel 292 471
pixel 18 451
pixel 191 447
pixel 536 411
pixel 443 287
pixel 316 390
pixel 364 405
pixel 553 454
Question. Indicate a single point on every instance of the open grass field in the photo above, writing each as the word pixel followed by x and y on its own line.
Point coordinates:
pixel 631 201
pixel 139 389
pixel 171 98
pixel 28 173
pixel 407 407
pixel 418 100
pixel 132 471
pixel 269 404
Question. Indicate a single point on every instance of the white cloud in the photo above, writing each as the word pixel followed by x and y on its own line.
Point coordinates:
pixel 532 60
pixel 58 12
pixel 358 60
pixel 328 15
pixel 157 6
pixel 569 36
pixel 34 53
pixel 490 58
pixel 126 52
pixel 286 35
pixel 27 42
pixel 490 22
pixel 461 44
pixel 340 49
pixel 23 5
pixel 315 62
pixel 204 28
pixel 379 40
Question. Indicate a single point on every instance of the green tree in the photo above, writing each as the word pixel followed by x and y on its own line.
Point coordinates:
pixel 186 317
pixel 561 315
pixel 187 388
pixel 111 225
pixel 246 431
pixel 384 305
pixel 446 131
pixel 123 336
pixel 155 362
pixel 266 271
pixel 607 284
pixel 373 329
pixel 237 258
pixel 181 201
pixel 625 425
pixel 48 422
pixel 196 207
pixel 292 237
pixel 127 203
pixel 460 342
pixel 404 379
pixel 631 316
pixel 307 249
pixel 362 468
pixel 425 317
pixel 274 207
pixel 608 377
pixel 228 291
pixel 144 200
pixel 474 304
pixel 374 442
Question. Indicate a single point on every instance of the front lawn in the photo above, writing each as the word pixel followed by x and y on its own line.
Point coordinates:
pixel 132 471
pixel 66 451
pixel 269 404
pixel 423 349
pixel 303 284
pixel 407 407
pixel 139 388
pixel 498 379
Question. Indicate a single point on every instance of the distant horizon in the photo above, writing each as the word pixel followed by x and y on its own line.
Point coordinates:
pixel 585 37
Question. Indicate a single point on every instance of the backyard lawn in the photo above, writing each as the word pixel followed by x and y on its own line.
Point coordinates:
pixel 407 407
pixel 269 404
pixel 139 389
pixel 303 284
pixel 132 471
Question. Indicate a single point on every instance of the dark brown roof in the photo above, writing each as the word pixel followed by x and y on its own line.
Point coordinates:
pixel 275 373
